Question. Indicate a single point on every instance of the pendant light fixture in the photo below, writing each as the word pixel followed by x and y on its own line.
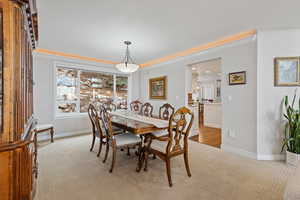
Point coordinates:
pixel 127 65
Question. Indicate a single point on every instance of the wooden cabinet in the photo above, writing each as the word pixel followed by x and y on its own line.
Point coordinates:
pixel 18 152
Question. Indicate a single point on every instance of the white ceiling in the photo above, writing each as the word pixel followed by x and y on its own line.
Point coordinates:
pixel 97 28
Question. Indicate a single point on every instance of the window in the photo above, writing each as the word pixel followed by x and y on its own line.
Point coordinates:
pixel 77 88
pixel 66 94
pixel 121 91
pixel 95 87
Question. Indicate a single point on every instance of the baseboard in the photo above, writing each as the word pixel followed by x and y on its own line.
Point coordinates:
pixel 271 157
pixel 46 136
pixel 238 151
pixel 193 133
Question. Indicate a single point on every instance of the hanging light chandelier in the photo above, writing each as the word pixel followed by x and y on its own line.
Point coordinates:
pixel 127 65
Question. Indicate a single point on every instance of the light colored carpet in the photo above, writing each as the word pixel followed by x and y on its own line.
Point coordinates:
pixel 68 171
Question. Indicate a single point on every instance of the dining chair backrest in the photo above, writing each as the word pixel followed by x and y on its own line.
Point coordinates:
pixel 179 127
pixel 92 112
pixel 147 109
pixel 122 105
pixel 166 111
pixel 110 106
pixel 105 122
pixel 136 106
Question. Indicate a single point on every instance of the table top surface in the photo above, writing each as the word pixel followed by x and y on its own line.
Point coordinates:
pixel 134 126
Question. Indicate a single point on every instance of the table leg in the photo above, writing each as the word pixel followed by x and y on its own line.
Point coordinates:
pixel 142 153
pixel 52 134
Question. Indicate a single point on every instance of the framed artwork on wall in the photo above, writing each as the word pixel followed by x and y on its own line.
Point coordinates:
pixel 237 78
pixel 158 88
pixel 287 71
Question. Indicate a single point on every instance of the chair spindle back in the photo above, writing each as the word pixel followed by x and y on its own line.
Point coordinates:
pixel 147 109
pixel 179 127
pixel 166 111
pixel 136 106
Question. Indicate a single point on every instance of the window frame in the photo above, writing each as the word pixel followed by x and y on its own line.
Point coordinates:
pixel 91 68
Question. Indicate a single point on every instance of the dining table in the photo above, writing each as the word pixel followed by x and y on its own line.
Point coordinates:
pixel 139 125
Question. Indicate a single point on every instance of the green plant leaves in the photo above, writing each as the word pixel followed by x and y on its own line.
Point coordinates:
pixel 292 128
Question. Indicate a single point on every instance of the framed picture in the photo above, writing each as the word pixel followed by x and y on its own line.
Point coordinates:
pixel 158 88
pixel 286 71
pixel 237 78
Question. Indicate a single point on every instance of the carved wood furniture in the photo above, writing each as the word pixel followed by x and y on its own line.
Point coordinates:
pixel 110 106
pixel 18 152
pixel 136 106
pixel 97 133
pixel 175 143
pixel 92 112
pixel 147 109
pixel 46 127
pixel 122 105
pixel 134 126
pixel 138 128
pixel 115 141
pixel 166 111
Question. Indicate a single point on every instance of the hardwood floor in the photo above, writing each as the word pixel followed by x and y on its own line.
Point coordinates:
pixel 208 136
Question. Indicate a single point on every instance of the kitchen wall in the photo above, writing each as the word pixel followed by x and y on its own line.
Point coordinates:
pixel 44 91
pixel 271 44
pixel 239 102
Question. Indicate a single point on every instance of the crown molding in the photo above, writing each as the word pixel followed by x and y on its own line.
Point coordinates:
pixel 74 56
pixel 203 47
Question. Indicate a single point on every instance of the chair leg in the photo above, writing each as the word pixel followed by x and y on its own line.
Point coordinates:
pixel 106 152
pixel 113 158
pixel 93 143
pixel 186 162
pixel 100 147
pixel 52 135
pixel 128 151
pixel 168 165
pixel 138 151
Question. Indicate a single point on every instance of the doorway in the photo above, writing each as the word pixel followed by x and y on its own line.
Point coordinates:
pixel 205 95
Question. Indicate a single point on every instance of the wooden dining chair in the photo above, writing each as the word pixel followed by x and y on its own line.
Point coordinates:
pixel 165 112
pixel 92 112
pixel 110 106
pixel 136 106
pixel 147 109
pixel 97 133
pixel 175 143
pixel 115 141
pixel 122 105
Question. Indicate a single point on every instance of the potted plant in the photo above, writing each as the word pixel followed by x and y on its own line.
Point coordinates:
pixel 292 131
